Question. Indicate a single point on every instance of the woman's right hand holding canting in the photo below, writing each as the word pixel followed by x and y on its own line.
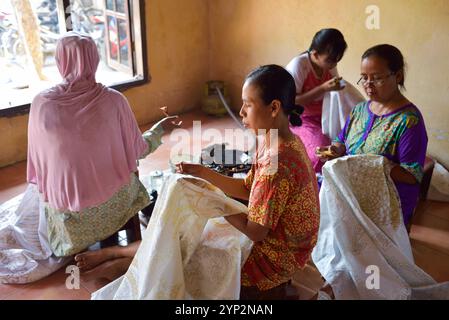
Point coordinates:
pixel 332 85
pixel 325 153
pixel 193 169
pixel 169 123
pixel 233 187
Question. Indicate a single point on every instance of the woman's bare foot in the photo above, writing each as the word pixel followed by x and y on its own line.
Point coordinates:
pixel 110 270
pixel 90 259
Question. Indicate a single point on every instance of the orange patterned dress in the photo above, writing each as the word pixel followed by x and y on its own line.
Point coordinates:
pixel 285 201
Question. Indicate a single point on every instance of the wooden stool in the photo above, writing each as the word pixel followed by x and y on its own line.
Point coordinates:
pixel 133 233
pixel 132 227
pixel 429 165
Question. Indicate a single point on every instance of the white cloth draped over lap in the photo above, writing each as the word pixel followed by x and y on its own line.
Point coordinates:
pixel 337 105
pixel 25 254
pixel 362 231
pixel 188 250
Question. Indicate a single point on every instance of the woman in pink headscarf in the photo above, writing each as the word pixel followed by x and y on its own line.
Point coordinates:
pixel 83 147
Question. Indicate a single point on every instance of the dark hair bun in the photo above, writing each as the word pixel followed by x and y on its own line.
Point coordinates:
pixel 295 116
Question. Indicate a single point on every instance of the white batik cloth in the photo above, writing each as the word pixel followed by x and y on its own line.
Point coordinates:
pixel 188 250
pixel 337 105
pixel 25 254
pixel 362 232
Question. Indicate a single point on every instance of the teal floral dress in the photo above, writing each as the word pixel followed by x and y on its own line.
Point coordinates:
pixel 400 136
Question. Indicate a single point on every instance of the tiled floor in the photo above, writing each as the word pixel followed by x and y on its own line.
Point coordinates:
pixel 429 234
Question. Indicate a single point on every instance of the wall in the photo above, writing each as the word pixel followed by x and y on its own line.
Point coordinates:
pixel 13 139
pixel 248 33
pixel 178 51
pixel 191 41
pixel 177 47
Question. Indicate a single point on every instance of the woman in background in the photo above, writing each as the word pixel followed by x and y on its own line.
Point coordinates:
pixel 315 73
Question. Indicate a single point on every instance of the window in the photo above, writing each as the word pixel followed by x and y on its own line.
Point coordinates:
pixel 27 64
pixel 118 53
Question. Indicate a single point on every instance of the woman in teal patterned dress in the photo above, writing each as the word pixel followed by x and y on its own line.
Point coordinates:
pixel 387 124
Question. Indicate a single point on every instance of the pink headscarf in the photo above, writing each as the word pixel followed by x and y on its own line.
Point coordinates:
pixel 83 139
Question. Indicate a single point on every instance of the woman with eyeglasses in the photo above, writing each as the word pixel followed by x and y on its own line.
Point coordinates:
pixel 315 73
pixel 388 124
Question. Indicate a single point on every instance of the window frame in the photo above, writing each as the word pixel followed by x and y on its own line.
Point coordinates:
pixel 119 16
pixel 139 53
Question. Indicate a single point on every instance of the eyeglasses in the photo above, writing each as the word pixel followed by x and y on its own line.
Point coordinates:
pixel 377 81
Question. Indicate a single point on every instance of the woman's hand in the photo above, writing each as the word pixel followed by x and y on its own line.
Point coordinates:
pixel 233 187
pixel 399 174
pixel 326 153
pixel 193 169
pixel 169 123
pixel 172 124
pixel 332 85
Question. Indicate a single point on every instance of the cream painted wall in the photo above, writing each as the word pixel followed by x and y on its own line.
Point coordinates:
pixel 178 51
pixel 13 139
pixel 248 33
pixel 177 45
